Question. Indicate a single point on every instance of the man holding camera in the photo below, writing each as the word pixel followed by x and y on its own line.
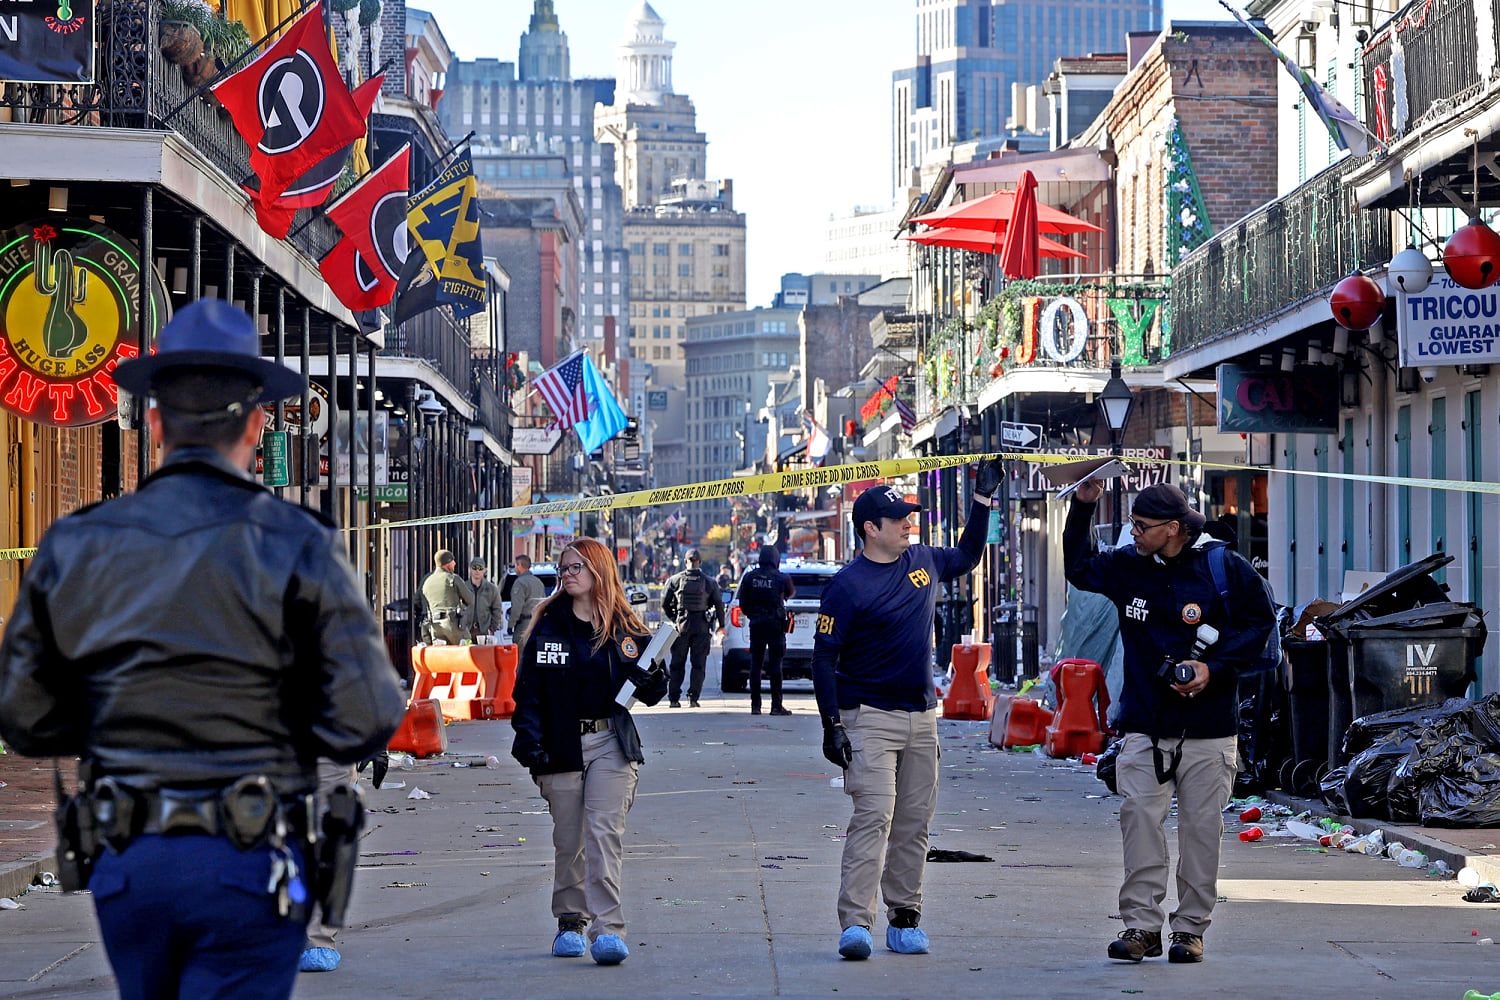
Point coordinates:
pixel 1184 648
pixel 225 647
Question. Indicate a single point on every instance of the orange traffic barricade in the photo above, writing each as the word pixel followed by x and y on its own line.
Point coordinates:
pixel 969 696
pixel 421 733
pixel 1018 722
pixel 1083 701
pixel 470 682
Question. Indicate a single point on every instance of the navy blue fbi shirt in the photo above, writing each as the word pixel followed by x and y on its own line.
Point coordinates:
pixel 590 669
pixel 873 644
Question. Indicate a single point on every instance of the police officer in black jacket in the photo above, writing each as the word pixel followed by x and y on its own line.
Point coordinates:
pixel 1178 703
pixel 763 594
pixel 224 647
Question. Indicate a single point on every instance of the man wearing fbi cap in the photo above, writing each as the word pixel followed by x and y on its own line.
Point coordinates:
pixel 224 648
pixel 1184 645
pixel 872 673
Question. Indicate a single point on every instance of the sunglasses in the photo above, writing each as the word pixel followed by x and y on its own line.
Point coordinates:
pixel 572 569
pixel 1140 527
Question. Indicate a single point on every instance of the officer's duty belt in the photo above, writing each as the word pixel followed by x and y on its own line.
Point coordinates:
pixel 586 726
pixel 246 812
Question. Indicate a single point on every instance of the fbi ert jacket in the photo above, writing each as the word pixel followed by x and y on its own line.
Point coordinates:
pixel 548 710
pixel 194 632
pixel 1161 603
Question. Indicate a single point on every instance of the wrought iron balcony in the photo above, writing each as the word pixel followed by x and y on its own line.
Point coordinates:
pixel 437 338
pixel 137 88
pixel 1438 70
pixel 1282 254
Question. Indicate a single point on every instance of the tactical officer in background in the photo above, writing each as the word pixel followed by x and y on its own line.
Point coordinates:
pixel 694 603
pixel 225 646
pixel 763 594
pixel 486 617
pixel 447 596
pixel 526 592
pixel 1178 705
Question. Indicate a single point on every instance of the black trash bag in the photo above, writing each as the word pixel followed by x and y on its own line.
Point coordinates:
pixel 1367 776
pixel 1476 719
pixel 1367 730
pixel 1265 733
pixel 1331 790
pixel 1466 796
pixel 1401 791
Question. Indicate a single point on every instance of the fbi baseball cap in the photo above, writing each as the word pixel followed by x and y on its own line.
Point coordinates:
pixel 878 502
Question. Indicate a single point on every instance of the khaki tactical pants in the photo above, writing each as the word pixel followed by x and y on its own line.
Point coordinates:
pixel 588 826
pixel 1204 782
pixel 893 781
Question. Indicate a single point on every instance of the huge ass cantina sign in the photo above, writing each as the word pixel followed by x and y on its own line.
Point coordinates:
pixel 69 313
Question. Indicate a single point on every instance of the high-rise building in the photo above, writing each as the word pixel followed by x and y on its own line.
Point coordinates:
pixel 686 241
pixel 538 119
pixel 970 52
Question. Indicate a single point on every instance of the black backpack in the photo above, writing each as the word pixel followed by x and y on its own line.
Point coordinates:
pixel 694 594
pixel 1270 657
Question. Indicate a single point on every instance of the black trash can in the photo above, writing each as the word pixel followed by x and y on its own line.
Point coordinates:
pixel 1308 694
pixel 398 641
pixel 1015 622
pixel 1414 657
pixel 1409 587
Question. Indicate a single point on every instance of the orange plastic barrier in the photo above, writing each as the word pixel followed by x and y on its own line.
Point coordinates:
pixel 1079 724
pixel 969 697
pixel 1018 722
pixel 470 682
pixel 421 733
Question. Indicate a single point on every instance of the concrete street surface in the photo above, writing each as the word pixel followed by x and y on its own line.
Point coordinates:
pixel 732 871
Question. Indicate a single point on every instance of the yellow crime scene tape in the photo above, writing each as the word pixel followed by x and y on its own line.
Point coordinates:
pixel 782 482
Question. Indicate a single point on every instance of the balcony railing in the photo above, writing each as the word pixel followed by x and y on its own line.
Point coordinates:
pixel 1439 69
pixel 138 88
pixel 493 413
pixel 435 337
pixel 1284 253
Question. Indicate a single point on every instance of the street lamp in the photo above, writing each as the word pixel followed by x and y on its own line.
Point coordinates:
pixel 1115 403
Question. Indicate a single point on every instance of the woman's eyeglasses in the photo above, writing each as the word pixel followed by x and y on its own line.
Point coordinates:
pixel 572 569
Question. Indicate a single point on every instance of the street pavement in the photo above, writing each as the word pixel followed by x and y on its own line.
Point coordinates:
pixel 731 874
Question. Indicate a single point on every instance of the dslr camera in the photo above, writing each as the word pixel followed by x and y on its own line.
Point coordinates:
pixel 1172 672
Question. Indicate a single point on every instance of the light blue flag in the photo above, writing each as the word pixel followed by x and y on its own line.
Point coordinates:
pixel 605 419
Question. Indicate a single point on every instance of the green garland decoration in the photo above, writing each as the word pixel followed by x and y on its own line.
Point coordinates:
pixel 1187 213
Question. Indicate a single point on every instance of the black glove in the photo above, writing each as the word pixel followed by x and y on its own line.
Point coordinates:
pixel 379 764
pixel 836 746
pixel 533 760
pixel 987 476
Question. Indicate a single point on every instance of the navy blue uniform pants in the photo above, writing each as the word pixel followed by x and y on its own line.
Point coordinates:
pixel 697 644
pixel 189 916
pixel 768 646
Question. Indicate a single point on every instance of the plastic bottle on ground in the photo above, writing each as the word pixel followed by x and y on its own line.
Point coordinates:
pixel 1440 868
pixel 1393 849
pixel 1411 859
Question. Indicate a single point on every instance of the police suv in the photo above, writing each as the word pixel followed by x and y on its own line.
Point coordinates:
pixel 809 577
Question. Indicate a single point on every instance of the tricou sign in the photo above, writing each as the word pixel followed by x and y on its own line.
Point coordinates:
pixel 69 303
pixel 1449 325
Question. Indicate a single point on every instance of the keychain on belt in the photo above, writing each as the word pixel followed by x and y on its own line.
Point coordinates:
pixel 286 878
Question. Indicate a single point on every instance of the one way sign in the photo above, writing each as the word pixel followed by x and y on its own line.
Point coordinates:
pixel 1014 435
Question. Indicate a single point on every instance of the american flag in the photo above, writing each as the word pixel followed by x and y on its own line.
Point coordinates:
pixel 908 416
pixel 672 520
pixel 563 389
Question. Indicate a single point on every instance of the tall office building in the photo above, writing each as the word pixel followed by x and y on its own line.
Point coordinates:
pixel 686 241
pixel 523 122
pixel 969 52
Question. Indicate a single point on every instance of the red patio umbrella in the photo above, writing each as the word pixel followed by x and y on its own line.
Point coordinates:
pixel 992 214
pixel 979 242
pixel 1018 256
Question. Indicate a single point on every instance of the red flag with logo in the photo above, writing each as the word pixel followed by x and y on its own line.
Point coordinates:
pixel 291 105
pixel 313 187
pixel 372 215
pixel 357 285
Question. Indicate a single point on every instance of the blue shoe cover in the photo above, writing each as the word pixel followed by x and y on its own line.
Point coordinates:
pixel 855 943
pixel 568 944
pixel 318 960
pixel 609 949
pixel 906 940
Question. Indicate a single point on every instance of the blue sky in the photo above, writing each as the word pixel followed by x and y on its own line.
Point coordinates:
pixel 794 96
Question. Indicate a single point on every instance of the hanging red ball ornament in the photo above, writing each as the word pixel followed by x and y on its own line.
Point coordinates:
pixel 1357 302
pixel 1472 255
pixel 996 370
